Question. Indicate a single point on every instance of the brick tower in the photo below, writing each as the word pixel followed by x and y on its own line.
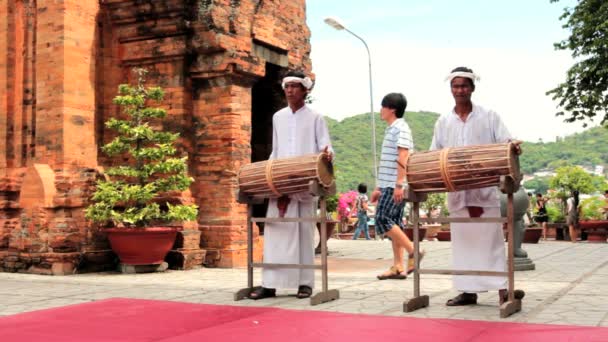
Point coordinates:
pixel 220 63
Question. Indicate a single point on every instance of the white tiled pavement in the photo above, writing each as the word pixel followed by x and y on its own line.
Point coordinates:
pixel 569 285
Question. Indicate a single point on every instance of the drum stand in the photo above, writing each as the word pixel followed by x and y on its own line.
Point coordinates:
pixel 512 305
pixel 316 190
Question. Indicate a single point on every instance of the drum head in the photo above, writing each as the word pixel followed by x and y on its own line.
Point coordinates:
pixel 326 171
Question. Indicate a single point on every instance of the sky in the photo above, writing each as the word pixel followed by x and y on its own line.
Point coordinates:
pixel 415 43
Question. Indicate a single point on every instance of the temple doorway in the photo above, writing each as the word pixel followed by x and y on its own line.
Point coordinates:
pixel 267 99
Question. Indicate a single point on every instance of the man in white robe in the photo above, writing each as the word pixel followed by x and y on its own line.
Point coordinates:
pixel 297 130
pixel 475 246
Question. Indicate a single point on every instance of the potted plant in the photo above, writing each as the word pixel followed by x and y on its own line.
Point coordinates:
pixel 331 208
pixel 129 202
pixel 592 220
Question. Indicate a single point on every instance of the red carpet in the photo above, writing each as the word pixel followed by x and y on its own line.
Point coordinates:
pixel 148 320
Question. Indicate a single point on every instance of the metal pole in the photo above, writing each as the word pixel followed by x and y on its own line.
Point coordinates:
pixel 371 103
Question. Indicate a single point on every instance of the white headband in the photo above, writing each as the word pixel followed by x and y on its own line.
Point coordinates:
pixel 465 74
pixel 306 81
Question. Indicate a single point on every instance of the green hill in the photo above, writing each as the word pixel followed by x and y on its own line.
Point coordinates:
pixel 587 148
pixel 351 138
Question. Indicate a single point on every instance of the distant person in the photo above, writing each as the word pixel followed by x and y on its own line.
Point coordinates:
pixel 573 210
pixel 475 246
pixel 530 208
pixel 391 182
pixel 606 205
pixel 542 217
pixel 361 205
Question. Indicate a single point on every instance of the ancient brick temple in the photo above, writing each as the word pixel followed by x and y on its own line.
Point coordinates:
pixel 61 61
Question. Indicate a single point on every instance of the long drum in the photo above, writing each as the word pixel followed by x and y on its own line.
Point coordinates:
pixel 278 177
pixel 461 168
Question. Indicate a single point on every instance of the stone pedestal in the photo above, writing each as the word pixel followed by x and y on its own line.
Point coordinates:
pixel 524 264
pixel 520 206
pixel 132 269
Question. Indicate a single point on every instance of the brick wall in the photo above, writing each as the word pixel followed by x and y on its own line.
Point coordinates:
pixel 60 65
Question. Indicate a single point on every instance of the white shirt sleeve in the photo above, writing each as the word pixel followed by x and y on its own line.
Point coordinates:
pixel 405 138
pixel 322 135
pixel 435 143
pixel 501 133
pixel 275 139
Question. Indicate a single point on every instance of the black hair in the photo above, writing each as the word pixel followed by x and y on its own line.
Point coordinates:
pixel 295 73
pixel 362 188
pixel 575 195
pixel 396 101
pixel 465 69
pixel 299 74
pixel 538 194
pixel 529 194
pixel 606 192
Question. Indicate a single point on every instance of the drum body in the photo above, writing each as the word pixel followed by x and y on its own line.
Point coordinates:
pixel 462 168
pixel 278 177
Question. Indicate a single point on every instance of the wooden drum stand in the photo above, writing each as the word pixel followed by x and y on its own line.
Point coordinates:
pixel 316 190
pixel 512 305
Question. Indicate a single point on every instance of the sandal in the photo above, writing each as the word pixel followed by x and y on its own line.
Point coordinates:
pixel 304 291
pixel 504 296
pixel 463 299
pixel 410 262
pixel 261 293
pixel 393 273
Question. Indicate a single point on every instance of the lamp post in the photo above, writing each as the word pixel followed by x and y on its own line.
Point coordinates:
pixel 338 25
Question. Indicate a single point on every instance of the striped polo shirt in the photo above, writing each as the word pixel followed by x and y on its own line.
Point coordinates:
pixel 396 135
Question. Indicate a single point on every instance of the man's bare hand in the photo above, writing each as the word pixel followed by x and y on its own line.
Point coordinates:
pixel 517 145
pixel 329 155
pixel 398 195
pixel 375 196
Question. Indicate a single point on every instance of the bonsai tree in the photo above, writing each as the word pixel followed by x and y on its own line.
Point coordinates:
pixel 435 201
pixel 592 208
pixel 130 196
pixel 332 205
pixel 570 178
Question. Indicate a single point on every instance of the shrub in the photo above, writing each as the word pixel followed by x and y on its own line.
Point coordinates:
pixel 130 197
pixel 592 208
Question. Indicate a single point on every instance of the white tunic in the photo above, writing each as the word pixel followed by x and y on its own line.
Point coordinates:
pixel 294 134
pixel 475 246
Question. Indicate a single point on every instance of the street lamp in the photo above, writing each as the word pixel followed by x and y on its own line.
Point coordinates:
pixel 338 25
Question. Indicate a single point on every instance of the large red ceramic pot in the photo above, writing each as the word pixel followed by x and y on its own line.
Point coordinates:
pixel 597 230
pixel 142 246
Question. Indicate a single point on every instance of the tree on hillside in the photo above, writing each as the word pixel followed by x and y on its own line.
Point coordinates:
pixel 568 179
pixel 539 184
pixel 584 94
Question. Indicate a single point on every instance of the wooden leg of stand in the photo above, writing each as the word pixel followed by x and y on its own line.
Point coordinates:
pixel 244 293
pixel 325 295
pixel 512 305
pixel 418 301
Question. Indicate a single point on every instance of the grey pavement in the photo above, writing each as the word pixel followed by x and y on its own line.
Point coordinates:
pixel 569 285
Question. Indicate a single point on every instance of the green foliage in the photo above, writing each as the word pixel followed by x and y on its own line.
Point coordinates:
pixel 434 201
pixel 587 148
pixel 592 208
pixel 539 184
pixel 584 94
pixel 352 136
pixel 570 178
pixel 351 139
pixel 555 212
pixel 332 203
pixel 130 197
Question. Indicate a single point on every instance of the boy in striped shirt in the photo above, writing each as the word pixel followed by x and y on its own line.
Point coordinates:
pixel 391 182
